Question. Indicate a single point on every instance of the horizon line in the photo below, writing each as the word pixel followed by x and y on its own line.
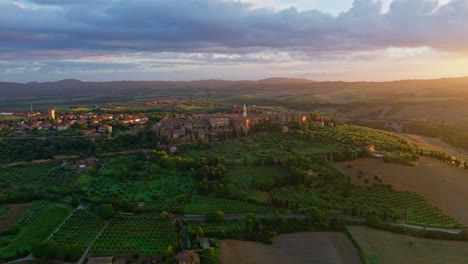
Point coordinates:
pixel 243 80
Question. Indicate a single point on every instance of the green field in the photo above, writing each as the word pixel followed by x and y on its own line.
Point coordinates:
pixel 359 136
pixel 35 209
pixel 293 143
pixel 46 176
pixel 120 178
pixel 126 236
pixel 265 145
pixel 38 222
pixel 384 247
pixel 252 176
pixel 81 228
pixel 388 204
pixel 204 204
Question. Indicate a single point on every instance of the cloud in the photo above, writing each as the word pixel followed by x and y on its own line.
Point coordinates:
pixel 220 26
pixel 64 67
pixel 202 38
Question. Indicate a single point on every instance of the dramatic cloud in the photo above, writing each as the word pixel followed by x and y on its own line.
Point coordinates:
pixel 220 31
pixel 191 25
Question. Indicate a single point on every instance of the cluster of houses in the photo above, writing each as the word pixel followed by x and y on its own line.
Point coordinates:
pixel 99 123
pixel 100 120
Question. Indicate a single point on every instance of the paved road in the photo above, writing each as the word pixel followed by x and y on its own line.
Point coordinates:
pixel 27 258
pixel 445 230
pixel 188 217
pixel 91 245
pixel 184 237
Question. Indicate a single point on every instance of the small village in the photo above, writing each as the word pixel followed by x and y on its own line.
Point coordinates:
pixel 178 128
pixel 90 124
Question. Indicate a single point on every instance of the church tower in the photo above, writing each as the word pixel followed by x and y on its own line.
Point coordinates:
pixel 52 114
pixel 244 111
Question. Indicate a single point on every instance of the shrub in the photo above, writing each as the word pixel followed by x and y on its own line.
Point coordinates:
pixel 106 211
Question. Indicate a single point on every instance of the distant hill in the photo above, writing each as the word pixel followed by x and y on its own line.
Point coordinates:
pixel 284 81
pixel 293 92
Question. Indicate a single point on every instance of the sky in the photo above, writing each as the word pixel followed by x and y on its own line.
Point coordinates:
pixel 323 40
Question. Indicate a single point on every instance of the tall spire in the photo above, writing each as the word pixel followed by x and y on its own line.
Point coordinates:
pixel 244 111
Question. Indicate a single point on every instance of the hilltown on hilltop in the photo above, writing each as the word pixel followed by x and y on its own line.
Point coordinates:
pixel 174 129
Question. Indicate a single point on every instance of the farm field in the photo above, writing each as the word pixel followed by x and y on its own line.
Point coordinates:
pixel 160 192
pixel 441 184
pixel 48 176
pixel 126 236
pixel 251 176
pixel 35 209
pixel 14 212
pixel 204 204
pixel 36 224
pixel 262 145
pixel 134 180
pixel 293 143
pixel 387 248
pixel 362 136
pixel 317 247
pixel 81 228
pixel 408 206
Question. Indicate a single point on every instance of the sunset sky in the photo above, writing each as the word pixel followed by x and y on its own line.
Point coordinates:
pixel 99 40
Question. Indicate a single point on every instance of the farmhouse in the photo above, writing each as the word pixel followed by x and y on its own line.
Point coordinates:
pixel 100 260
pixel 188 257
pixel 378 155
pixel 167 148
pixel 105 129
pixel 91 160
pixel 312 173
pixel 81 164
pixel 87 132
pixel 371 149
pixel 63 127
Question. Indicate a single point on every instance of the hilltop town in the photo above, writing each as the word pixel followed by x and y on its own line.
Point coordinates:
pixel 175 128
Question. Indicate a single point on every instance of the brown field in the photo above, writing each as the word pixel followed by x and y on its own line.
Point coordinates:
pixel 16 212
pixel 297 248
pixel 388 248
pixel 444 185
